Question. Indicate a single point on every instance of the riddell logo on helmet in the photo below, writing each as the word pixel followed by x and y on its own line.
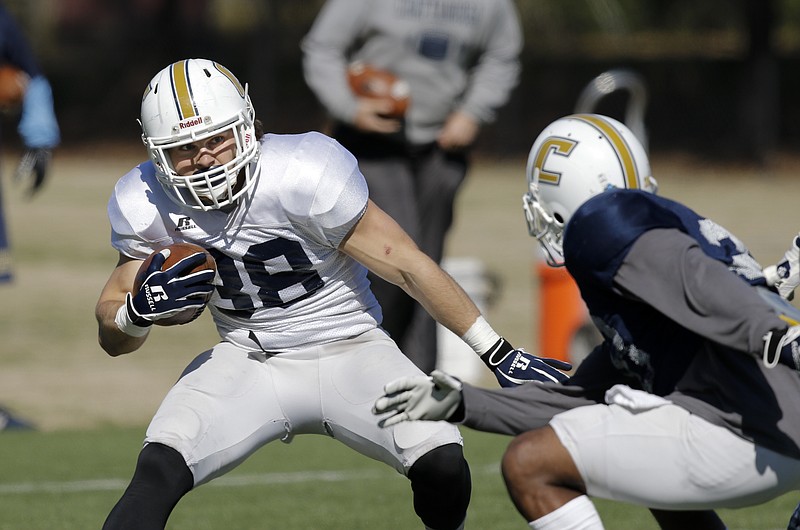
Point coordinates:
pixel 190 123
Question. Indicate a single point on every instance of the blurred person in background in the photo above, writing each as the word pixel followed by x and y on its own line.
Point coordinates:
pixel 460 61
pixel 23 83
pixel 38 127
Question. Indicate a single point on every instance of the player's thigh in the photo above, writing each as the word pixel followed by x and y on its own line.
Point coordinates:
pixel 221 410
pixel 354 378
pixel 668 458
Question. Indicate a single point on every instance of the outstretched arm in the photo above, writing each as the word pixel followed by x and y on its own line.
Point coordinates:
pixel 379 243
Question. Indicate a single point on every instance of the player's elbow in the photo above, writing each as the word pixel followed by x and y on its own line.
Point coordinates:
pixel 112 347
pixel 115 343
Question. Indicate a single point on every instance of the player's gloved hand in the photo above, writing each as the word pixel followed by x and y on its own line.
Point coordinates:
pixel 163 294
pixel 32 169
pixel 782 347
pixel 513 367
pixel 420 397
pixel 785 275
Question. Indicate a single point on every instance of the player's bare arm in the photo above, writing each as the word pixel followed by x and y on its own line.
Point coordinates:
pixel 381 245
pixel 112 297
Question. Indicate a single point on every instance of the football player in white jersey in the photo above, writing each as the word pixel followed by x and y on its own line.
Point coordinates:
pixel 289 223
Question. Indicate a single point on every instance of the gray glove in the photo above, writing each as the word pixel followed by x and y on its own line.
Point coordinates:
pixel 785 275
pixel 431 398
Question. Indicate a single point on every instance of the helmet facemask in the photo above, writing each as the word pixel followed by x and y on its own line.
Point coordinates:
pixel 546 227
pixel 220 106
pixel 218 186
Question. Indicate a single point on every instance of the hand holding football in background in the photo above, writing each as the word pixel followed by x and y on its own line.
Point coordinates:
pixel 367 81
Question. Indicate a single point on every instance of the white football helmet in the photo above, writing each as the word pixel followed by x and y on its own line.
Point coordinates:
pixel 189 101
pixel 573 159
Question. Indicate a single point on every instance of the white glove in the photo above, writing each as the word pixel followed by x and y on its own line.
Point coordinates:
pixel 431 398
pixel 786 274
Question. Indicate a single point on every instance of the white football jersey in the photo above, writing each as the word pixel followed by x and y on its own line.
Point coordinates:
pixel 282 283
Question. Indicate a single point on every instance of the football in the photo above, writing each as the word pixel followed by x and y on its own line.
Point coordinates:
pixel 370 82
pixel 13 84
pixel 178 251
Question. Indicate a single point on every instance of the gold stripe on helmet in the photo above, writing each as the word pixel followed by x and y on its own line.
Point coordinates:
pixel 181 90
pixel 147 91
pixel 627 163
pixel 227 73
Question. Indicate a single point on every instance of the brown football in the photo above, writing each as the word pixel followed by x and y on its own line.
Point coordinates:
pixel 13 84
pixel 370 82
pixel 178 251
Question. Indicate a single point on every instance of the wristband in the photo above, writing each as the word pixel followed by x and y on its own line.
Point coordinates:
pixel 480 336
pixel 497 353
pixel 126 325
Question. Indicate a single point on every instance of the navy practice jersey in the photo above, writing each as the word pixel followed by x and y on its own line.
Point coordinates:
pixel 641 342
pixel 672 294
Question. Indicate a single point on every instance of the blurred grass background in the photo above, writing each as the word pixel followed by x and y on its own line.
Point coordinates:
pixel 53 372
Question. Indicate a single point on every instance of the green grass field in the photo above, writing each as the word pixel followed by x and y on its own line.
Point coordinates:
pixel 91 410
pixel 69 480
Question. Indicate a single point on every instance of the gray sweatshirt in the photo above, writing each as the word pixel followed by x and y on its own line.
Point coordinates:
pixel 454 54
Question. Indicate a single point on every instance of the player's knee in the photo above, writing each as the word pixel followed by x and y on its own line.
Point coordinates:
pixel 160 480
pixel 537 460
pixel 442 487
pixel 524 460
pixel 443 465
pixel 163 466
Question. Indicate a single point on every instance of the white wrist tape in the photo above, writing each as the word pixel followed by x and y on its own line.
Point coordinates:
pixel 125 325
pixel 480 336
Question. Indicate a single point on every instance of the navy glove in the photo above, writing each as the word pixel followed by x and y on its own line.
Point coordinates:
pixel 782 346
pixel 513 367
pixel 164 294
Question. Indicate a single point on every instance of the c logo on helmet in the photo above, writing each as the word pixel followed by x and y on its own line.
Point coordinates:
pixel 552 146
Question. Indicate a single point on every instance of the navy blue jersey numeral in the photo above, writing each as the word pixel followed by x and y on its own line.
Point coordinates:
pixel 278 268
